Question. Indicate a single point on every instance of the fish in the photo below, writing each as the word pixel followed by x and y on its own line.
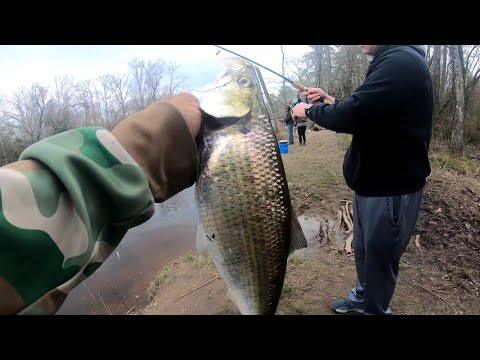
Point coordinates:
pixel 246 220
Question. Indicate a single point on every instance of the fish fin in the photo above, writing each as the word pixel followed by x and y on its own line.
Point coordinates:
pixel 232 295
pixel 213 123
pixel 201 242
pixel 297 237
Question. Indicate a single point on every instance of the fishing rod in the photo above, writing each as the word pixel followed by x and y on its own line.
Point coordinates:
pixel 299 86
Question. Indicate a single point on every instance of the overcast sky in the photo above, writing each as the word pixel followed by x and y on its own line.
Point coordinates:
pixel 26 64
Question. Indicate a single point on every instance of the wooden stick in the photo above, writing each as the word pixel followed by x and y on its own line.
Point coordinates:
pixel 442 292
pixel 347 210
pixel 136 308
pixel 338 225
pixel 456 289
pixel 348 244
pixel 431 292
pixel 121 300
pixel 326 231
pixel 417 242
pixel 345 219
pixel 133 307
pixel 107 310
pixel 198 287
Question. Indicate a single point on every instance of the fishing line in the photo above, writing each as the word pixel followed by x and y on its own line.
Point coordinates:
pixel 216 87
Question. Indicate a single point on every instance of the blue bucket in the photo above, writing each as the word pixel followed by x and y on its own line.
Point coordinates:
pixel 283 146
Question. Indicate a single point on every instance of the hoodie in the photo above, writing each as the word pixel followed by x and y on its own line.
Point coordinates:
pixel 390 117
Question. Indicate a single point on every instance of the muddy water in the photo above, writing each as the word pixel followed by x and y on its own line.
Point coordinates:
pixel 310 227
pixel 144 251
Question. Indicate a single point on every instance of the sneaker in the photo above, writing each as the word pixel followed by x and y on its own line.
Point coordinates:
pixel 343 306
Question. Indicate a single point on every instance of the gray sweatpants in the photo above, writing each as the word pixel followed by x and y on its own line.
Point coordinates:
pixel 381 232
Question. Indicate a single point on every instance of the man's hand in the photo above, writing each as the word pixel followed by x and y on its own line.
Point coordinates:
pixel 298 111
pixel 315 94
pixel 189 106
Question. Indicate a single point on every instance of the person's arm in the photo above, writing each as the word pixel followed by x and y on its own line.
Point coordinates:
pixel 393 83
pixel 70 199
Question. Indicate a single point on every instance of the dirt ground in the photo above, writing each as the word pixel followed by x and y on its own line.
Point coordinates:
pixel 440 277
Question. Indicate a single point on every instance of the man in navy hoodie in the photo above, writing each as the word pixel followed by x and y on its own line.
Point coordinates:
pixel 390 118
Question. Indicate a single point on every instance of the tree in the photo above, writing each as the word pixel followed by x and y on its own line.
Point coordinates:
pixel 328 68
pixel 26 112
pixel 118 85
pixel 284 94
pixel 61 114
pixel 456 141
pixel 145 82
pixel 435 61
pixel 174 79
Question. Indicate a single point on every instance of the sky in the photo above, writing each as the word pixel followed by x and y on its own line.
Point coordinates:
pixel 23 65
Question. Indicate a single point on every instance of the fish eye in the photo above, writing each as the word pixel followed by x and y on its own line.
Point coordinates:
pixel 245 82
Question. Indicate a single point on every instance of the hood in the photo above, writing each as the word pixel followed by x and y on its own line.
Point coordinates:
pixel 416 48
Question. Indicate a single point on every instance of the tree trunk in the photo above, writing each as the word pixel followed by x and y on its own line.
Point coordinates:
pixel 427 56
pixel 5 158
pixel 456 141
pixel 443 80
pixel 436 62
pixel 318 65
pixel 328 70
pixel 283 74
pixel 462 63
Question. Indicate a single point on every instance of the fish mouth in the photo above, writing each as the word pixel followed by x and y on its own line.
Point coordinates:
pixel 233 91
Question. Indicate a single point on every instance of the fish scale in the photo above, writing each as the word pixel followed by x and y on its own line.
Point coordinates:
pixel 242 195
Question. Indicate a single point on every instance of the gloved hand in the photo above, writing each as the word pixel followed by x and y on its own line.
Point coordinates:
pixel 161 139
pixel 189 107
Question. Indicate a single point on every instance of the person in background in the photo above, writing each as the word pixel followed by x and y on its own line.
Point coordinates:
pixel 301 125
pixel 290 124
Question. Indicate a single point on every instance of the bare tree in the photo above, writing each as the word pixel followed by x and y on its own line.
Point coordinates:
pixel 443 81
pixel 435 62
pixel 174 79
pixel 318 49
pixel 118 87
pixel 145 82
pixel 456 141
pixel 27 111
pixel 137 85
pixel 84 101
pixel 283 74
pixel 154 75
pixel 300 70
pixel 328 68
pixel 471 70
pixel 62 113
